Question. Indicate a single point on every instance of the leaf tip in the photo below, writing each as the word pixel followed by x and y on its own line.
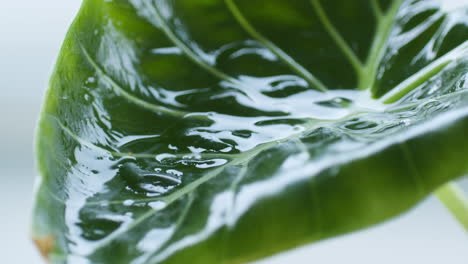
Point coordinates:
pixel 45 245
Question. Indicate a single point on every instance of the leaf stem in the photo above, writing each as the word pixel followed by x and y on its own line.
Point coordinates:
pixel 454 199
pixel 294 65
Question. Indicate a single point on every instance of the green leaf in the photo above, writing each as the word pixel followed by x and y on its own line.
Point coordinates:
pixel 224 131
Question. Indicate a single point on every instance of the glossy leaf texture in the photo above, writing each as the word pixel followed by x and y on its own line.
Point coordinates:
pixel 224 131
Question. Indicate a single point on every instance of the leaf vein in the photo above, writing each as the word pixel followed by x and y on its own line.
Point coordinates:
pixel 336 36
pixel 282 55
pixel 138 101
pixel 186 50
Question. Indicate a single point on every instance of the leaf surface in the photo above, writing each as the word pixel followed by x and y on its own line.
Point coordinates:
pixel 224 131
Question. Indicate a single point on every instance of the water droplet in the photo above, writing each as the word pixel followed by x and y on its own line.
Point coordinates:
pixel 196 149
pixel 163 156
pixel 157 205
pixel 128 202
pixel 150 182
pixel 211 163
pixel 91 80
pixel 242 133
pixel 357 124
pixel 405 122
pixel 226 149
pixel 175 172
pixel 337 102
pixel 171 147
pixel 100 228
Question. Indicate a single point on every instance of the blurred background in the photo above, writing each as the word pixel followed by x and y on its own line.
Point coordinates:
pixel 31 33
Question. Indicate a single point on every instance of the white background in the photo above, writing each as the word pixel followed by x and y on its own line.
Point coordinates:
pixel 31 33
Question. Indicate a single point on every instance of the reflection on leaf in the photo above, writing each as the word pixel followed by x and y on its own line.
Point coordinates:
pixel 224 131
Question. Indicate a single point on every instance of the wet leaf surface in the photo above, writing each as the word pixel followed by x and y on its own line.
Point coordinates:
pixel 224 131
